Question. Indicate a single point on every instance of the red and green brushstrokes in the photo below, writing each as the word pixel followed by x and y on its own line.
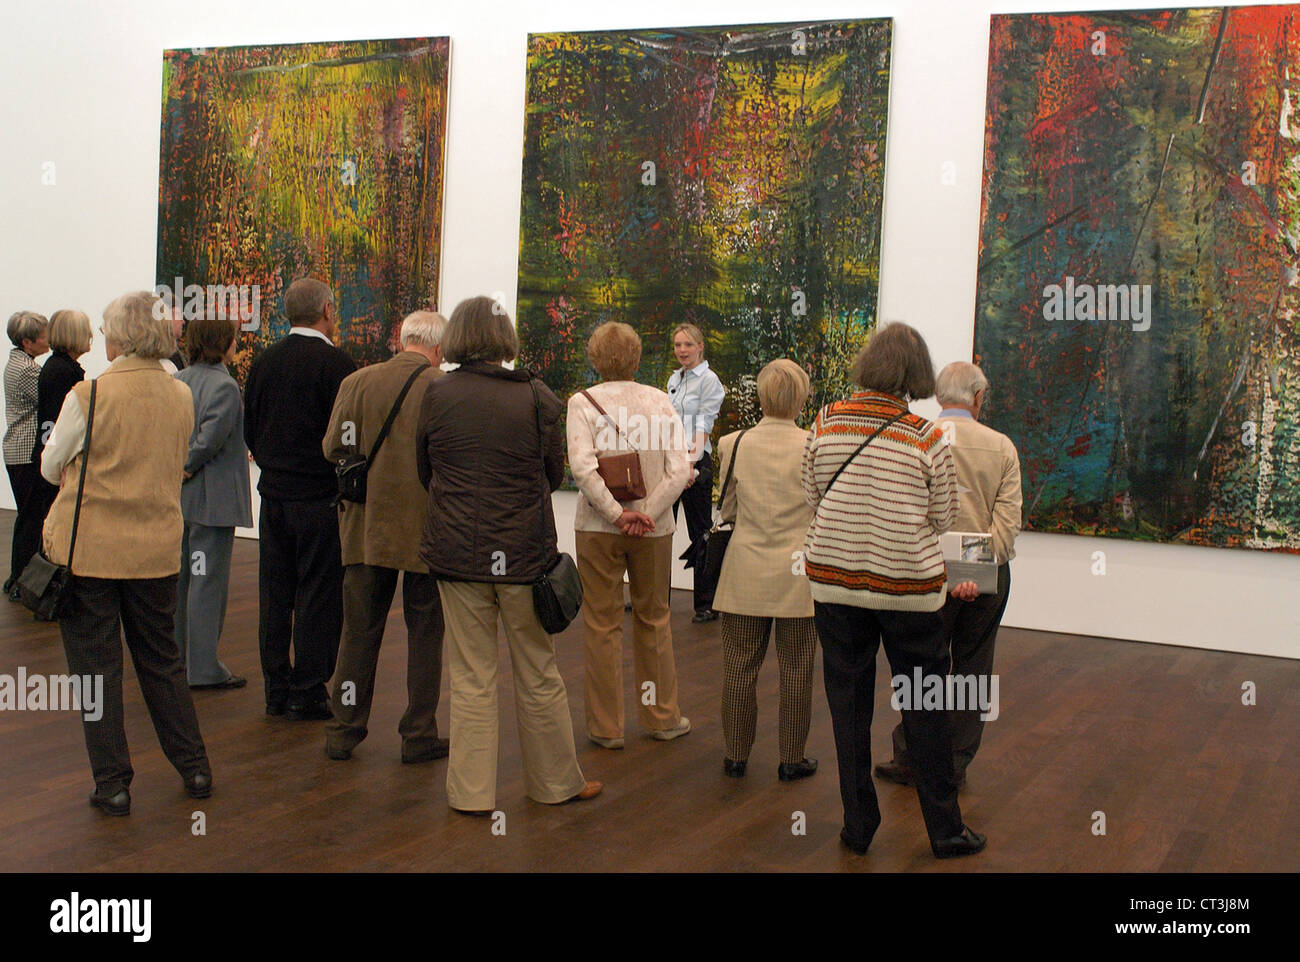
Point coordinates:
pixel 1160 148
pixel 319 159
pixel 762 226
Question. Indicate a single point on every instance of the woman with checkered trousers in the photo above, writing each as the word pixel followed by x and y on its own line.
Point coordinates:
pixel 762 589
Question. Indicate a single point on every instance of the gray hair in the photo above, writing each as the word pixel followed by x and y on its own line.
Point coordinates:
pixel 26 326
pixel 132 322
pixel 305 300
pixel 423 328
pixel 958 383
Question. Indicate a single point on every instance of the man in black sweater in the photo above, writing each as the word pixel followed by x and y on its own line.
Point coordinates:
pixel 287 404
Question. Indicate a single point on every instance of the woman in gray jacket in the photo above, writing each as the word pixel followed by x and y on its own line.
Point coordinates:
pixel 215 499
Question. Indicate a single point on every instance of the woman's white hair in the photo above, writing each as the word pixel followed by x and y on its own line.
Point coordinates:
pixel 132 323
pixel 958 383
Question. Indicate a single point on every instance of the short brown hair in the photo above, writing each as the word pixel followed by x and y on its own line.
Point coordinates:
pixel 614 350
pixel 208 339
pixel 479 330
pixel 782 389
pixel 70 332
pixel 305 300
pixel 895 360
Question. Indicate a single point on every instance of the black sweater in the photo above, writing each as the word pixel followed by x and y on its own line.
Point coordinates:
pixel 287 405
pixel 60 373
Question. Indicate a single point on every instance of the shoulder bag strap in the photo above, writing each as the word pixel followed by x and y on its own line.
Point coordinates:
pixel 850 458
pixel 81 482
pixel 392 415
pixel 731 468
pixel 617 431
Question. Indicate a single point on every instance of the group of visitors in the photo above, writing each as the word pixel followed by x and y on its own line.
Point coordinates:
pixel 449 482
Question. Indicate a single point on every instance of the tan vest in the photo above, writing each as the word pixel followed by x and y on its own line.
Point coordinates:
pixel 131 510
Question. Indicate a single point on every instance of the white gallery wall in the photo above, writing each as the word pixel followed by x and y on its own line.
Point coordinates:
pixel 80 104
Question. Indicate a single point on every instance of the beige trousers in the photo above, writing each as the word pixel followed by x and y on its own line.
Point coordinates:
pixel 551 772
pixel 602 559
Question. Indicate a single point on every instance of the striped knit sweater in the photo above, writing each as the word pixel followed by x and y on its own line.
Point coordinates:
pixel 874 541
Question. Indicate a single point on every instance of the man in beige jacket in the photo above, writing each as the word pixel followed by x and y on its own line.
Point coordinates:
pixel 380 537
pixel 989 497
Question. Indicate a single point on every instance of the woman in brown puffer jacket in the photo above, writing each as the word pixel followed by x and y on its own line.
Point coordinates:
pixel 490 452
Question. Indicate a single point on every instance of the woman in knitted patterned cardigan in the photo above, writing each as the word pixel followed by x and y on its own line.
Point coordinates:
pixel 883 485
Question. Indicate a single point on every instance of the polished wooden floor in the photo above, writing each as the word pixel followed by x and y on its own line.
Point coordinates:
pixel 1155 737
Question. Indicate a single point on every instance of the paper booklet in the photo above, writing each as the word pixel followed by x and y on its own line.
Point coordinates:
pixel 969 557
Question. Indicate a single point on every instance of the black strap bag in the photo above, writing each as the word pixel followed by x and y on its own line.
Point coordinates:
pixel 44 587
pixel 557 595
pixel 352 469
pixel 712 544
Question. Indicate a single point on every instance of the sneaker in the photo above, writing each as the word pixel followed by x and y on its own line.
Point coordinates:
pixel 668 734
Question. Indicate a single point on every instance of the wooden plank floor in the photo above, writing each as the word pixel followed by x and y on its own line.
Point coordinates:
pixel 1155 737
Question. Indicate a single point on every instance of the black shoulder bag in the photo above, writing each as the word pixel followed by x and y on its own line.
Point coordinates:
pixel 352 469
pixel 43 587
pixel 557 595
pixel 710 549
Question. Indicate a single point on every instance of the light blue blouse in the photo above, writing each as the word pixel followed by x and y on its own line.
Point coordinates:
pixel 697 397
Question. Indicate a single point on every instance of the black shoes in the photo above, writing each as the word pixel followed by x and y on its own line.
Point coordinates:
pixel 440 748
pixel 199 786
pixel 337 754
pixel 118 804
pixel 734 769
pixel 234 681
pixel 857 848
pixel 275 708
pixel 705 614
pixel 319 711
pixel 891 771
pixel 789 771
pixel 967 843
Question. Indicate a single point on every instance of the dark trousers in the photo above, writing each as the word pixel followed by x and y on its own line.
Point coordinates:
pixel 697 502
pixel 26 480
pixel 971 628
pixel 367 596
pixel 143 609
pixel 300 582
pixel 850 637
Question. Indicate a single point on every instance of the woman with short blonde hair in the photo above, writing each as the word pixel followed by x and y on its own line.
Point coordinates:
pixel 762 590
pixel 619 416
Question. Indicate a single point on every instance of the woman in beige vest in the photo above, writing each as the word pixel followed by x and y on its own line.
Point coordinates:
pixel 127 553
pixel 762 580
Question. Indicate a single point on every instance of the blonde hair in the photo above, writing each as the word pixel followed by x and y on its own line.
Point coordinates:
pixel 691 330
pixel 782 389
pixel 70 332
pixel 614 350
pixel 132 322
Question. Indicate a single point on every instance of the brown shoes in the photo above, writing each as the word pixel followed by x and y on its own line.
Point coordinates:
pixel 589 791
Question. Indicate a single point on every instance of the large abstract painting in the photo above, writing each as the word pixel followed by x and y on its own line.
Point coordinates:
pixel 1138 288
pixel 323 159
pixel 730 177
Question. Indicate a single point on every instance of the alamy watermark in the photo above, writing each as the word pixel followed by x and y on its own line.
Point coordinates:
pixel 921 692
pixel 1098 302
pixel 36 692
pixel 645 432
pixel 241 302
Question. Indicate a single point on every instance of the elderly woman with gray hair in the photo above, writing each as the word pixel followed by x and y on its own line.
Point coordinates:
pixel 28 332
pixel 130 430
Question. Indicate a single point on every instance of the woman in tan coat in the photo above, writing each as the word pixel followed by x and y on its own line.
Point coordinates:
pixel 762 580
pixel 128 549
